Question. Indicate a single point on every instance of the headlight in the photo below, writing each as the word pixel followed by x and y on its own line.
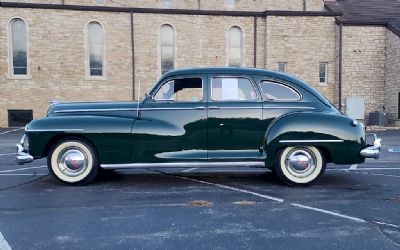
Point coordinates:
pixel 354 123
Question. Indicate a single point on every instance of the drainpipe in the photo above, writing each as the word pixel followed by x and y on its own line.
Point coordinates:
pixel 255 43
pixel 133 57
pixel 340 65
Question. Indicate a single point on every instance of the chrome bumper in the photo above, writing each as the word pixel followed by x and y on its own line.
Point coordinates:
pixel 22 155
pixel 373 151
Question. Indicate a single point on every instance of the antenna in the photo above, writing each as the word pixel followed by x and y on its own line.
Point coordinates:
pixel 138 101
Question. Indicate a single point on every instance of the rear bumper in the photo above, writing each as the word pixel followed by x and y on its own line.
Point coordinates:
pixel 373 151
pixel 23 155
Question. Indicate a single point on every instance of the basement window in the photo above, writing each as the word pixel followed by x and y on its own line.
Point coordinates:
pixel 19 117
pixel 282 67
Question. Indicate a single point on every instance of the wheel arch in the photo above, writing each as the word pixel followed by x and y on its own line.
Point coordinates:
pixel 56 138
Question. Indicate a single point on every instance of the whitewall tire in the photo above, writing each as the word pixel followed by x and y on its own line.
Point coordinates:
pixel 300 165
pixel 73 161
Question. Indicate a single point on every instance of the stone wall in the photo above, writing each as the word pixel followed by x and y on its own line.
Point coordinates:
pixel 392 75
pixel 303 42
pixel 363 69
pixel 57 60
pixel 199 43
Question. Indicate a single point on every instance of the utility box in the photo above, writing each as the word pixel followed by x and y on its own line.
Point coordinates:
pixel 355 108
pixel 378 118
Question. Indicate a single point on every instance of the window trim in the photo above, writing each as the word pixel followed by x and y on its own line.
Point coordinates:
pixel 10 58
pixel 227 49
pixel 176 78
pixel 87 56
pixel 230 101
pixel 284 84
pixel 326 74
pixel 159 47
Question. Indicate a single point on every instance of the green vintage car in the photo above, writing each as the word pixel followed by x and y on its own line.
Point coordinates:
pixel 203 116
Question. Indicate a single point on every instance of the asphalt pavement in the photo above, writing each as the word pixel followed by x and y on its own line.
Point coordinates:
pixel 350 207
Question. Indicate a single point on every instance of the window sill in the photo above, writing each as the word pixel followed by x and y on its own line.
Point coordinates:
pixel 19 77
pixel 95 78
pixel 323 84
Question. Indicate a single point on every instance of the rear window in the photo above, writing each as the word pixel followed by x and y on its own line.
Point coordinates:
pixel 279 92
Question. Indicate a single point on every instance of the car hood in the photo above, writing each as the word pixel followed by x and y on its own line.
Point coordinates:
pixel 119 109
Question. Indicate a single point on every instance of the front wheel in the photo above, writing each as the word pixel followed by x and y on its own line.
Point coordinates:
pixel 73 161
pixel 299 166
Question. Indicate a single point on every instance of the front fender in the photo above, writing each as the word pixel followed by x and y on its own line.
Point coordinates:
pixel 109 135
pixel 332 133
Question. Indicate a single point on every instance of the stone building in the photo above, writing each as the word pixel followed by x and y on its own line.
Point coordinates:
pixel 103 50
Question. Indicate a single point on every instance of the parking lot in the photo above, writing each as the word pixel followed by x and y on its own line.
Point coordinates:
pixel 350 207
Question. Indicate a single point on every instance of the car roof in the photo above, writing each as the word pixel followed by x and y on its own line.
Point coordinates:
pixel 239 71
pixel 244 71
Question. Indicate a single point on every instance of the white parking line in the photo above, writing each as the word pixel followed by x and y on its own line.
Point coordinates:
pixel 353 167
pixel 369 173
pixel 232 188
pixel 8 154
pixel 329 212
pixel 20 169
pixel 360 169
pixel 188 170
pixel 359 220
pixel 22 175
pixel 3 243
pixel 9 131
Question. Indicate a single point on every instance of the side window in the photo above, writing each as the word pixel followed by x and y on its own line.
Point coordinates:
pixel 181 90
pixel 232 89
pixel 279 92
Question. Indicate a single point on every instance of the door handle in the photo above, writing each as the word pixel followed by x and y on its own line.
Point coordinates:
pixel 199 108
pixel 213 107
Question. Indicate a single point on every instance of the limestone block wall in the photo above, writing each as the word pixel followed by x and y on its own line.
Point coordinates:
pixel 57 60
pixel 303 42
pixel 199 43
pixel 363 71
pixel 392 74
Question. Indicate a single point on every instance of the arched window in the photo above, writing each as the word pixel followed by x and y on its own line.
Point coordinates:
pixel 95 50
pixel 18 49
pixel 167 48
pixel 235 47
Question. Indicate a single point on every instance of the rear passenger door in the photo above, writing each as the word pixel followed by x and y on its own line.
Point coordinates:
pixel 234 123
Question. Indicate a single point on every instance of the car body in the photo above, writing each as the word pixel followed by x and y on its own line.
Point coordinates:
pixel 207 116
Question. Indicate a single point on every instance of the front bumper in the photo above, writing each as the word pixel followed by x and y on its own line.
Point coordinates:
pixel 373 151
pixel 22 155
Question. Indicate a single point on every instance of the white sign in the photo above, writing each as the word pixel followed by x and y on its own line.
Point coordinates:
pixel 230 89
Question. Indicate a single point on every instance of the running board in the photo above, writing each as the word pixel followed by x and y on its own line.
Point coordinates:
pixel 183 165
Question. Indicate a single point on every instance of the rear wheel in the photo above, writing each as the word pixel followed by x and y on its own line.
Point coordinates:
pixel 73 161
pixel 299 166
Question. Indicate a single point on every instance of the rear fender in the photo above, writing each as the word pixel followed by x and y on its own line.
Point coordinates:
pixel 333 134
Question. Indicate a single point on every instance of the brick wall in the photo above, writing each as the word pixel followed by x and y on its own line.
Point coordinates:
pixel 392 74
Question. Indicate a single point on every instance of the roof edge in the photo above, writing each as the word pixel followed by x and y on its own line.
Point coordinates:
pixel 393 29
pixel 168 11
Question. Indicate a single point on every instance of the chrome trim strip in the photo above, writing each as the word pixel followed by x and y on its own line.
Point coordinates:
pixel 288 107
pixel 93 110
pixel 182 164
pixel 151 109
pixel 308 141
pixel 56 130
pixel 219 107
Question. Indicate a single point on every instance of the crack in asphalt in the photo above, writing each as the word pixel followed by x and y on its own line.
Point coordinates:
pixel 23 184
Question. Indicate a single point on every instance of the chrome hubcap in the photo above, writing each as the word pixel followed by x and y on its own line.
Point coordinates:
pixel 300 162
pixel 72 162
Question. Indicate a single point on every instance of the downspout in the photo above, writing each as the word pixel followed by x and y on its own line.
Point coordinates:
pixel 340 65
pixel 255 43
pixel 133 57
